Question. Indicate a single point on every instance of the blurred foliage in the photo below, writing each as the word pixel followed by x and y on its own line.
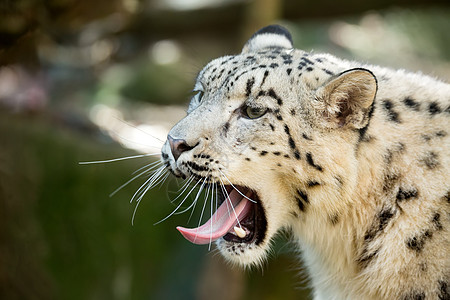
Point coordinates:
pixel 62 237
pixel 66 220
pixel 396 38
pixel 157 84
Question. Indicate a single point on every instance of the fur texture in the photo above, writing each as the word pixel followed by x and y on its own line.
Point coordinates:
pixel 352 158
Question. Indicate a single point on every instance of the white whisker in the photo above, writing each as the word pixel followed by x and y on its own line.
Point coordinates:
pixel 137 128
pixel 204 204
pixel 116 159
pixel 150 166
pixel 179 205
pixel 184 187
pixel 232 207
pixel 149 182
pixel 214 191
pixel 225 194
pixel 196 199
pixel 149 186
pixel 134 178
pixel 157 178
pixel 142 187
pixel 235 187
pixel 121 139
pixel 161 182
pixel 217 196
pixel 192 204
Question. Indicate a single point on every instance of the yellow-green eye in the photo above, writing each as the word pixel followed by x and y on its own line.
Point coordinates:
pixel 254 112
pixel 198 95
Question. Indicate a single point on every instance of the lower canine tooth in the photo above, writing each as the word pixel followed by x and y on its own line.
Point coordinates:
pixel 239 232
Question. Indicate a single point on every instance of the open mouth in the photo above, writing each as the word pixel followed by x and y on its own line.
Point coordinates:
pixel 240 218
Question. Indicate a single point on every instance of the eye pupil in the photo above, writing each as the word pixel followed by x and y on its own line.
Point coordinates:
pixel 254 112
pixel 198 95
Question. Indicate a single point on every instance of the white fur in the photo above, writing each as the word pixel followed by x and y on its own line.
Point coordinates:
pixel 355 187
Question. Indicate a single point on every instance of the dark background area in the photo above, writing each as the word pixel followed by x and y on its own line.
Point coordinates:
pixel 93 80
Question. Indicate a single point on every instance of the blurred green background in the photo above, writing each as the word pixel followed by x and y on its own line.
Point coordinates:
pixel 92 80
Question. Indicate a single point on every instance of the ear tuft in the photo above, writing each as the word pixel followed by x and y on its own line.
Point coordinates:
pixel 272 36
pixel 347 99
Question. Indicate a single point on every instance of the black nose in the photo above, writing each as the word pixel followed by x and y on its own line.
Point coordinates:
pixel 178 146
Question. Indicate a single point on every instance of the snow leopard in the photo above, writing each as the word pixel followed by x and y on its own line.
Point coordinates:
pixel 352 159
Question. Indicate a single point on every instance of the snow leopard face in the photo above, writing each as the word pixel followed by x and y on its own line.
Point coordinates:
pixel 272 133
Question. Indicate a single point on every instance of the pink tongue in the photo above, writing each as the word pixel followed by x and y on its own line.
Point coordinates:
pixel 221 222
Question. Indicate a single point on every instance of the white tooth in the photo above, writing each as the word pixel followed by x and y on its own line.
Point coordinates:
pixel 240 232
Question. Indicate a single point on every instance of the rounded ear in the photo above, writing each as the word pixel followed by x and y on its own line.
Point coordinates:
pixel 272 36
pixel 347 99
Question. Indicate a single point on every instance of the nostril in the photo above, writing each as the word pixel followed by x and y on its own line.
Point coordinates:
pixel 183 146
pixel 178 146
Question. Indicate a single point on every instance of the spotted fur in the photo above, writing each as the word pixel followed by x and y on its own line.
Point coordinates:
pixel 352 158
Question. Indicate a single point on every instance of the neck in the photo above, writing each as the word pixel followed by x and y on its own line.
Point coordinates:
pixel 332 242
